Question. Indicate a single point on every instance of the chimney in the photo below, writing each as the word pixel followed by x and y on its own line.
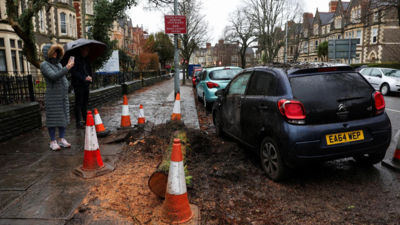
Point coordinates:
pixel 221 42
pixel 208 45
pixel 290 23
pixel 307 15
pixel 333 5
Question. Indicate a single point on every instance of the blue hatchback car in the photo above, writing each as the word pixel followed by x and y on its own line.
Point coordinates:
pixel 290 117
pixel 212 80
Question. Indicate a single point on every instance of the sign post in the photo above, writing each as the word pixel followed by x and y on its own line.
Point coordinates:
pixel 342 49
pixel 175 24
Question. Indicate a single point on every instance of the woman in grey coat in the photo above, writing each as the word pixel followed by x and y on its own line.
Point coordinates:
pixel 56 101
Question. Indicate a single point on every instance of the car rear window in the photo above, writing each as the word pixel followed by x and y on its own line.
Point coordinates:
pixel 322 94
pixel 225 74
pixel 391 72
pixel 198 72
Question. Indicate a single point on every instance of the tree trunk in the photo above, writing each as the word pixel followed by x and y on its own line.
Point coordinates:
pixel 158 180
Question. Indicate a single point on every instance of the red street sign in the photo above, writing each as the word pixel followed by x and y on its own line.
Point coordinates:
pixel 167 66
pixel 175 24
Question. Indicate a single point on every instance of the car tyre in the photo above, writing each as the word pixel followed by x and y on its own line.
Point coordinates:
pixel 217 124
pixel 271 160
pixel 385 89
pixel 206 104
pixel 370 159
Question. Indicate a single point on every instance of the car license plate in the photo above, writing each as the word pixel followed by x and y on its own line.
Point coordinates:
pixel 333 139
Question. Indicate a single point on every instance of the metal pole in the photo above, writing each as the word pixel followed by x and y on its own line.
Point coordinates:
pixel 176 57
pixel 286 42
pixel 349 49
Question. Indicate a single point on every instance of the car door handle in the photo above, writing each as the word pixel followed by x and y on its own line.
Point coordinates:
pixel 262 107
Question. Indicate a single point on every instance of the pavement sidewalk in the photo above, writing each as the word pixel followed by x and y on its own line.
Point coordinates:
pixel 37 185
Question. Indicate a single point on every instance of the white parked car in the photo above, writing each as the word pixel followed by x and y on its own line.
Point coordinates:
pixel 385 80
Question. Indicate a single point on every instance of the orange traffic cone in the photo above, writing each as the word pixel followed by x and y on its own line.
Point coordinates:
pixel 100 129
pixel 176 113
pixel 125 117
pixel 395 162
pixel 92 163
pixel 141 119
pixel 176 207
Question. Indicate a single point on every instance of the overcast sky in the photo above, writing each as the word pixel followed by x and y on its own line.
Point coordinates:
pixel 217 12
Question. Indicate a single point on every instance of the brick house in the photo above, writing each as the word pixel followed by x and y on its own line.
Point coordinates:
pixel 57 25
pixel 222 54
pixel 377 32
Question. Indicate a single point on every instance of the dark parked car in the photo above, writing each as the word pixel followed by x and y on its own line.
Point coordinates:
pixel 292 117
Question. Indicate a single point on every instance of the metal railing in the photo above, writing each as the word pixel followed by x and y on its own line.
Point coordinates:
pixel 22 88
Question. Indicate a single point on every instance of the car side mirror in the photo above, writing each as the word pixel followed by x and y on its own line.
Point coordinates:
pixel 380 76
pixel 219 92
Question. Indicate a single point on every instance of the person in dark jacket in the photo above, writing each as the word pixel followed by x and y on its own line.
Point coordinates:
pixel 56 99
pixel 81 78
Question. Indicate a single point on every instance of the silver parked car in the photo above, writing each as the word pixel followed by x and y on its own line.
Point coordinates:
pixel 385 80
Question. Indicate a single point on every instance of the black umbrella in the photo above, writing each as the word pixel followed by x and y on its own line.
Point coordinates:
pixel 72 48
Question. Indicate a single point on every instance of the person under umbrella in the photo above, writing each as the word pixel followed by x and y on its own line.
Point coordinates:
pixel 84 51
pixel 81 77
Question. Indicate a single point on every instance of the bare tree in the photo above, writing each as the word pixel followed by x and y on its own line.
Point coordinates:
pixel 197 29
pixel 270 16
pixel 241 29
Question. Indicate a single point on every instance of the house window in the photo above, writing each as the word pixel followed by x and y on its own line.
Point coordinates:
pixel 355 15
pixel 12 43
pixel 21 61
pixel 323 30
pixel 63 23
pixel 311 46
pixel 316 45
pixel 315 59
pixel 14 60
pixel 208 59
pixel 305 33
pixel 338 23
pixel 73 27
pixel 316 29
pixel 306 47
pixel 20 44
pixel 70 24
pixel 3 64
pixel 339 37
pixel 358 37
pixel 376 17
pixel 41 20
pixel 357 59
pixel 374 35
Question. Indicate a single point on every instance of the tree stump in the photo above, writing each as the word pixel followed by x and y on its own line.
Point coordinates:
pixel 159 179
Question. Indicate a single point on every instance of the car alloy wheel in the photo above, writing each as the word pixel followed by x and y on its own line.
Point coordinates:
pixel 271 160
pixel 385 89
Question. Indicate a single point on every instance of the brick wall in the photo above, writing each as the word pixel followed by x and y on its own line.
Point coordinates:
pixel 16 120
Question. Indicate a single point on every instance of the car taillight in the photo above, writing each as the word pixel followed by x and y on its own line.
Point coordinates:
pixel 293 110
pixel 212 85
pixel 379 102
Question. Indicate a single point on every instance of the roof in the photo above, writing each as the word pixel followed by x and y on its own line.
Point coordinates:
pixel 326 17
pixel 345 5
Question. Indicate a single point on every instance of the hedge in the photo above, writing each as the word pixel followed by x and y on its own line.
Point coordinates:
pixel 394 65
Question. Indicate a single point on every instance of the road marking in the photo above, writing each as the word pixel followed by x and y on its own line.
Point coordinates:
pixel 393 110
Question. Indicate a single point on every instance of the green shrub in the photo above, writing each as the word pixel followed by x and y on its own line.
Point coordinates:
pixel 394 65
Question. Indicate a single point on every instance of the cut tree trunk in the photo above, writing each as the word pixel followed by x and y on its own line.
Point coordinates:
pixel 158 180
